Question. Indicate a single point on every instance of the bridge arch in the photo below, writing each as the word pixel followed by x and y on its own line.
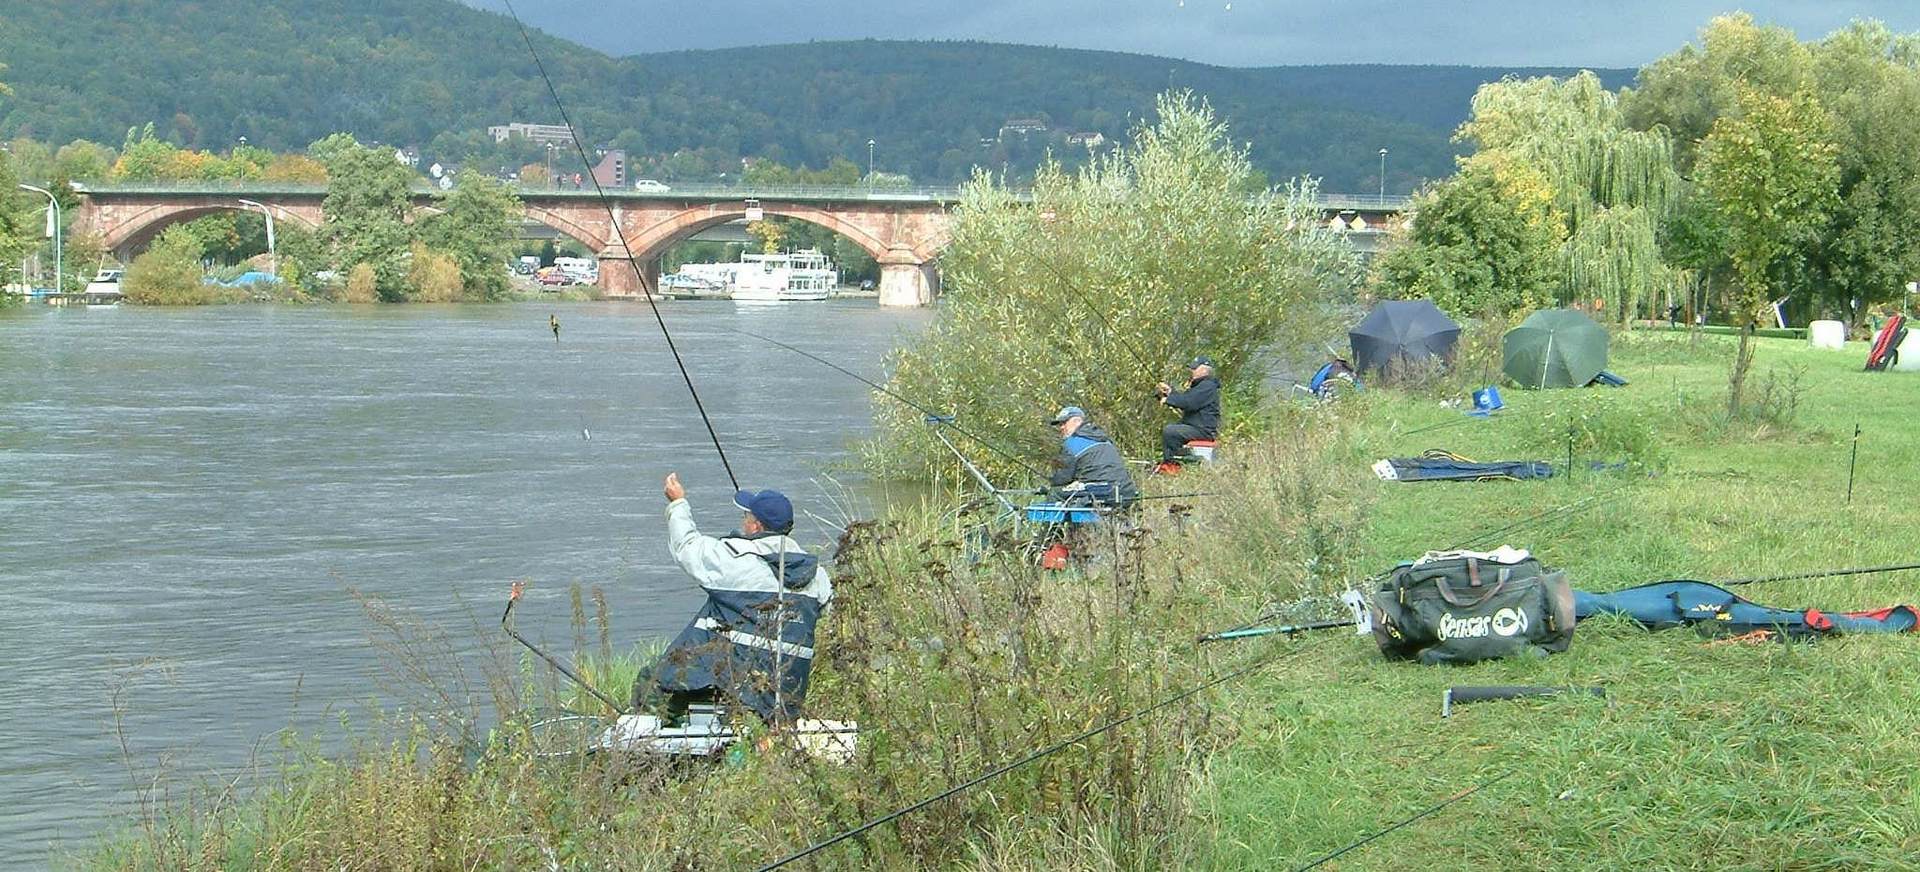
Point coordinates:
pixel 593 238
pixel 649 243
pixel 134 233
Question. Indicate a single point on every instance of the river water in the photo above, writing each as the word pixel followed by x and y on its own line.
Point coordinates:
pixel 189 497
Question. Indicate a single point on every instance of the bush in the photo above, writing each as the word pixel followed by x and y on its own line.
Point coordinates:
pixel 1603 428
pixel 168 273
pixel 361 285
pixel 1106 281
pixel 433 277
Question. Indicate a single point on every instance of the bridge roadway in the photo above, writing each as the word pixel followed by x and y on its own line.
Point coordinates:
pixel 903 230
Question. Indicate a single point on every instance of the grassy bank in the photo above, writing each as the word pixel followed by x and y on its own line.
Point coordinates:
pixel 957 657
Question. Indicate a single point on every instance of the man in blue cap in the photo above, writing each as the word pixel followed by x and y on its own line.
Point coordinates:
pixel 752 641
pixel 1089 468
pixel 1199 407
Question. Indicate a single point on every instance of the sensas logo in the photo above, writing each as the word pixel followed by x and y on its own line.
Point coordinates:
pixel 1505 622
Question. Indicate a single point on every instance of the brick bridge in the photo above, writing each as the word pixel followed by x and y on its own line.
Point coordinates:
pixel 904 231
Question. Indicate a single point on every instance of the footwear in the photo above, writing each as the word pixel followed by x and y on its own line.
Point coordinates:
pixel 1167 467
pixel 1055 557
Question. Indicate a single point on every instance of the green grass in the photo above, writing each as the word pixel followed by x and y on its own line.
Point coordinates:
pixel 1734 756
pixel 1765 757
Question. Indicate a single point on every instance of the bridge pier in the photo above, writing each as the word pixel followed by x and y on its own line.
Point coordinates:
pixel 905 280
pixel 617 278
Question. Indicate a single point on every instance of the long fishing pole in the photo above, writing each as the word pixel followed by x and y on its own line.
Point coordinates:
pixel 1003 769
pixel 1463 794
pixel 1829 573
pixel 506 623
pixel 613 222
pixel 933 416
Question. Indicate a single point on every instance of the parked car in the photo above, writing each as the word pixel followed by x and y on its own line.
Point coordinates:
pixel 649 186
pixel 555 278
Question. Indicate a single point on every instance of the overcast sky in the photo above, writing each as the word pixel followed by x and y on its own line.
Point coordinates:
pixel 1595 33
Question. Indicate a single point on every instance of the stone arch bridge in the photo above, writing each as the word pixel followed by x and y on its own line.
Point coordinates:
pixel 904 231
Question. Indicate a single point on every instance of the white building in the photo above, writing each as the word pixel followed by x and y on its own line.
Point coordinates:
pixel 558 134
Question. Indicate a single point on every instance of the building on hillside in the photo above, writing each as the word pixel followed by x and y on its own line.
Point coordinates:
pixel 557 134
pixel 1088 138
pixel 408 157
pixel 611 171
pixel 1023 126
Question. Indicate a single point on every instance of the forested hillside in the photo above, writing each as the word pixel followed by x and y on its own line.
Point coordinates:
pixel 434 73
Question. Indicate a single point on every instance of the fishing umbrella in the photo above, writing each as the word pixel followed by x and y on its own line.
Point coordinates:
pixel 1554 348
pixel 1401 332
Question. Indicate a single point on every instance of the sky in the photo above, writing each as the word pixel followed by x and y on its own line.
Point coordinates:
pixel 1613 33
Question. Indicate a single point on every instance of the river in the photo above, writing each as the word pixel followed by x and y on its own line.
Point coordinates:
pixel 190 497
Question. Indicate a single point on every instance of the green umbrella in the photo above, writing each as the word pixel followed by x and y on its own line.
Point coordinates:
pixel 1554 348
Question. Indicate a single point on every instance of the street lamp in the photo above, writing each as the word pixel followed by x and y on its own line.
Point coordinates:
pixel 273 257
pixel 551 181
pixel 869 163
pixel 54 230
pixel 1383 177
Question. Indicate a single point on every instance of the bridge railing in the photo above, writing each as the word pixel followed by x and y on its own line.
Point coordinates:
pixel 682 191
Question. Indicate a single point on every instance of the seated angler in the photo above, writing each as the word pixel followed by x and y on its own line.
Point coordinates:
pixel 1199 407
pixel 752 641
pixel 1089 468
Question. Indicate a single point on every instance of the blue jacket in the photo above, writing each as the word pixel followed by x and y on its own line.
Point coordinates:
pixel 1091 459
pixel 753 638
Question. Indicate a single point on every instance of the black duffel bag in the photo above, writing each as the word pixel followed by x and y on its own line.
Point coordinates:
pixel 1466 608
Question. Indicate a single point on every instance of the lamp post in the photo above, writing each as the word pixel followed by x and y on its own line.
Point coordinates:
pixel 273 256
pixel 1383 177
pixel 551 181
pixel 869 163
pixel 54 230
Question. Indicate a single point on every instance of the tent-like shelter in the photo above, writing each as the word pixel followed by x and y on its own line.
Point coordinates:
pixel 1402 332
pixel 1554 348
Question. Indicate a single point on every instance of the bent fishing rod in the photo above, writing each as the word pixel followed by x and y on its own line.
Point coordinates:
pixel 506 623
pixel 613 222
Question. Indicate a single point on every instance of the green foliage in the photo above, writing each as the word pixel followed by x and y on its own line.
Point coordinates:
pixel 1604 426
pixel 1769 174
pixel 475 227
pixel 168 273
pixel 1109 278
pixel 369 210
pixel 20 227
pixel 1482 243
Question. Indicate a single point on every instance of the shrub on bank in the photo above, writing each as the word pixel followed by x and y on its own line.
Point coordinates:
pixel 168 273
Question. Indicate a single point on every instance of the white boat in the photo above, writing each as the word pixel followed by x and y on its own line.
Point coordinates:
pixel 799 276
pixel 104 290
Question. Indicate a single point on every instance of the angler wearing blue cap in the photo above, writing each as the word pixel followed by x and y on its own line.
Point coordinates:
pixel 1089 468
pixel 752 641
pixel 1199 407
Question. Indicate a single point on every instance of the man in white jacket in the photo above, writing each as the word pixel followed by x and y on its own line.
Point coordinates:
pixel 752 641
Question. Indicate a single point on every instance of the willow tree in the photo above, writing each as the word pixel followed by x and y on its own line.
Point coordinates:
pixel 1103 281
pixel 1769 174
pixel 1611 185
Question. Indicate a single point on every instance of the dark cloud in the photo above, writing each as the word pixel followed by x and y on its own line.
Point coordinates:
pixel 1620 33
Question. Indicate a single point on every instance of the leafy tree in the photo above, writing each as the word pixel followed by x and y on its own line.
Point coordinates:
pixel 19 231
pixel 1688 91
pixel 369 210
pixel 1612 185
pixel 1769 174
pixel 1112 275
pixel 769 233
pixel 294 168
pixel 82 159
pixel 168 273
pixel 1485 242
pixel 534 175
pixel 474 228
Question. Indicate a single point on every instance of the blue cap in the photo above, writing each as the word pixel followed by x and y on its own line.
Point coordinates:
pixel 770 507
pixel 1061 416
pixel 1200 360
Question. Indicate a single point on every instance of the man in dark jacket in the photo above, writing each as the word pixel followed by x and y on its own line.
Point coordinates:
pixel 1089 468
pixel 1199 407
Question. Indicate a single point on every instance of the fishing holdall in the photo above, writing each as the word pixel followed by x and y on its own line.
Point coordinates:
pixel 1467 606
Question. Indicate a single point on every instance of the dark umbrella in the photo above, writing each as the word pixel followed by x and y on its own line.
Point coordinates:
pixel 1554 348
pixel 1399 332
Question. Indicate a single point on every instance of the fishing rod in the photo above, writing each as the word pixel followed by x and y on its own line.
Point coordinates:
pixel 506 623
pixel 933 417
pixel 613 222
pixel 1828 573
pixel 1435 809
pixel 1003 769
